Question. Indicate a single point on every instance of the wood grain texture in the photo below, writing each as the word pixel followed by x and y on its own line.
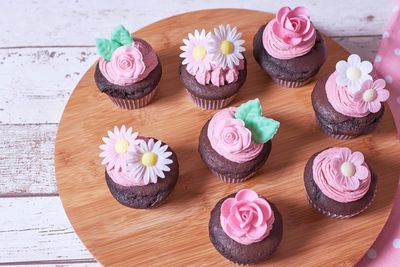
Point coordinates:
pixel 35 230
pixel 79 22
pixel 176 233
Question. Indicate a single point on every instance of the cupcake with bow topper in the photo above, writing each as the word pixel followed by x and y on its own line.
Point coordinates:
pixel 339 183
pixel 349 102
pixel 236 142
pixel 213 67
pixel 140 172
pixel 245 228
pixel 128 71
pixel 289 48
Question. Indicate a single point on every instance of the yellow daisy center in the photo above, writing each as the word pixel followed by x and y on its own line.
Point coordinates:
pixel 353 73
pixel 369 95
pixel 199 52
pixel 226 47
pixel 348 169
pixel 149 159
pixel 121 146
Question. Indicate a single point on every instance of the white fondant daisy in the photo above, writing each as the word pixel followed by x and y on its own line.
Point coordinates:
pixel 147 161
pixel 226 46
pixel 353 72
pixel 195 51
pixel 116 146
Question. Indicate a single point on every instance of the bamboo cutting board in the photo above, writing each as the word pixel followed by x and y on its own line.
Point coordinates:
pixel 176 234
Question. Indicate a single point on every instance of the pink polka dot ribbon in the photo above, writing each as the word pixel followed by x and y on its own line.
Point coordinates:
pixel 387 62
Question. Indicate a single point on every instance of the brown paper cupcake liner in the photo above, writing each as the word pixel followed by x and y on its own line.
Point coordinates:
pixel 337 216
pixel 133 103
pixel 289 84
pixel 211 104
pixel 227 179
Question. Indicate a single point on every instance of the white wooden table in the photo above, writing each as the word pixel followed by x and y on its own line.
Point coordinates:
pixel 45 48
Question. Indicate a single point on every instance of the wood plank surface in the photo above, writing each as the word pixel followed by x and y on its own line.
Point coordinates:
pixel 180 227
pixel 79 22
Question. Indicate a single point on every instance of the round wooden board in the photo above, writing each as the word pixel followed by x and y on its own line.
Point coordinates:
pixel 176 234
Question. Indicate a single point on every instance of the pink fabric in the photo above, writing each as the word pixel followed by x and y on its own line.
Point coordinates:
pixel 333 183
pixel 385 252
pixel 246 218
pixel 129 64
pixel 230 138
pixel 290 34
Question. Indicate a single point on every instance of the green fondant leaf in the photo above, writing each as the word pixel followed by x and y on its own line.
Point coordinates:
pixel 249 109
pixel 121 36
pixel 106 48
pixel 262 128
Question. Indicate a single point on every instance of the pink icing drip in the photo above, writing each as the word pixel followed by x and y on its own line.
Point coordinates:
pixel 230 138
pixel 342 100
pixel 216 75
pixel 328 177
pixel 139 61
pixel 247 218
pixel 291 34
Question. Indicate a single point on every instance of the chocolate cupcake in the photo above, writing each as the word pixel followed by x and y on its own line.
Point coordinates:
pixel 289 49
pixel 128 70
pixel 140 172
pixel 245 228
pixel 236 142
pixel 339 183
pixel 213 67
pixel 347 103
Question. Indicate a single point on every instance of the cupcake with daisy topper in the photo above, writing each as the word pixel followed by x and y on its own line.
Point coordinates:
pixel 289 48
pixel 128 70
pixel 245 227
pixel 140 172
pixel 236 142
pixel 349 102
pixel 339 183
pixel 213 67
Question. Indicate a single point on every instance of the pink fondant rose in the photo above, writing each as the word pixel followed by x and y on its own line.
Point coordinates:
pixel 127 63
pixel 230 138
pixel 293 26
pixel 246 218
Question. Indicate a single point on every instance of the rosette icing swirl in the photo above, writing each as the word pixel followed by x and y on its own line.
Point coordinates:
pixel 341 174
pixel 290 34
pixel 247 218
pixel 230 138
pixel 129 64
pixel 216 75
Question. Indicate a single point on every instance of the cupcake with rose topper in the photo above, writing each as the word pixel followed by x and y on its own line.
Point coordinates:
pixel 348 102
pixel 140 172
pixel 245 227
pixel 236 142
pixel 128 71
pixel 213 67
pixel 289 48
pixel 339 183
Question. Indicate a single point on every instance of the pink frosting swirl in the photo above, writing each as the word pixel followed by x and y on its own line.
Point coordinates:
pixel 246 218
pixel 216 75
pixel 124 178
pixel 337 181
pixel 230 138
pixel 290 34
pixel 342 100
pixel 129 64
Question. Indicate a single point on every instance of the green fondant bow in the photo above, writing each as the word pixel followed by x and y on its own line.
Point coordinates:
pixel 119 37
pixel 262 128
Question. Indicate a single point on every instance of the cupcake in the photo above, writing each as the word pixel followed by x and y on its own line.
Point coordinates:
pixel 289 49
pixel 140 172
pixel 128 70
pixel 339 183
pixel 245 228
pixel 348 103
pixel 236 142
pixel 213 67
